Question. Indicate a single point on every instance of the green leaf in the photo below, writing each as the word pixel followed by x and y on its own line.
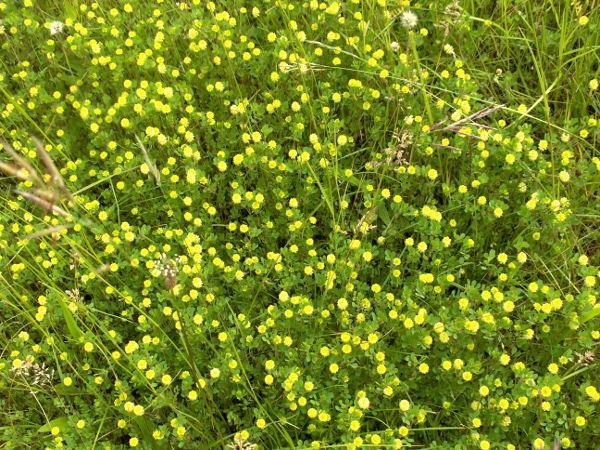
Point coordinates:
pixel 266 130
pixel 146 427
pixel 589 315
pixel 70 11
pixel 354 181
pixel 61 389
pixel 75 331
pixel 61 423
pixel 384 214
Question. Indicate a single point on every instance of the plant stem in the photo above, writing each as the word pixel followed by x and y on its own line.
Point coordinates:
pixel 192 362
pixel 413 47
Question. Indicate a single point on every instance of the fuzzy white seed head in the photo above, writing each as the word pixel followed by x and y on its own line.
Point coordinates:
pixel 408 20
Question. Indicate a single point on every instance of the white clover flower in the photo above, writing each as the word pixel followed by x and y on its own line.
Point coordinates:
pixel 408 20
pixel 56 27
pixel 395 46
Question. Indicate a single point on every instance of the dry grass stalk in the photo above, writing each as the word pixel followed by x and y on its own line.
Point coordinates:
pixel 45 194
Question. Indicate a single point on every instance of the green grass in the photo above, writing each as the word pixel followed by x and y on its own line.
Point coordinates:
pixel 297 225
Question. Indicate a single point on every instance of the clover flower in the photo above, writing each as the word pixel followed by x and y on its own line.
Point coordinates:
pixel 408 20
pixel 586 359
pixel 240 443
pixel 56 27
pixel 364 403
pixel 168 269
pixel 41 374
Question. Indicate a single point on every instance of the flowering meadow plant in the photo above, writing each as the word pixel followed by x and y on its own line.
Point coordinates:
pixel 297 225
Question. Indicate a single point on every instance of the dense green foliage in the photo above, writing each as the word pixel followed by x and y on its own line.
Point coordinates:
pixel 361 224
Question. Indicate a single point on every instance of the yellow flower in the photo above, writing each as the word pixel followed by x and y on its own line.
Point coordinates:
pixel 426 278
pixel 591 391
pixel 546 391
pixel 363 403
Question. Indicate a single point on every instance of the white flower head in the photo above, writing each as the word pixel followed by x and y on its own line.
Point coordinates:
pixel 56 27
pixel 408 20
pixel 395 46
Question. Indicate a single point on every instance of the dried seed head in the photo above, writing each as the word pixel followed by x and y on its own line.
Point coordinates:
pixel 169 270
pixel 170 282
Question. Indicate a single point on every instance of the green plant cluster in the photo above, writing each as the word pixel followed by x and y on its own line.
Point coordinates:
pixel 298 225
